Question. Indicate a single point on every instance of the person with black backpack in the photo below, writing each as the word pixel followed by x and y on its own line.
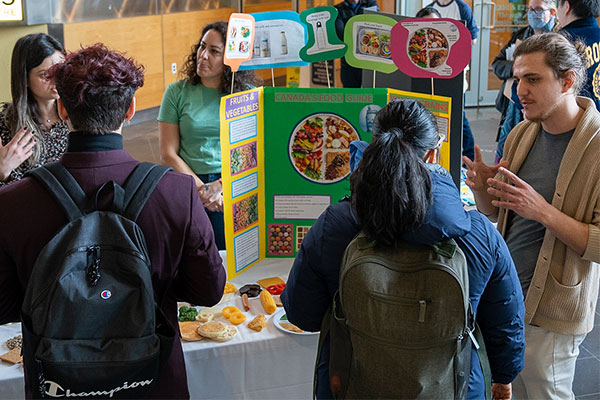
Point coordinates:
pixel 96 250
pixel 405 208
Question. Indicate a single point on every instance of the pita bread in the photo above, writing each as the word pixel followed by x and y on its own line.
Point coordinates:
pixel 218 331
pixel 13 356
pixel 189 331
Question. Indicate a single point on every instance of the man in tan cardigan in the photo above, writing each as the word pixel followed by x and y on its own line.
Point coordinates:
pixel 546 197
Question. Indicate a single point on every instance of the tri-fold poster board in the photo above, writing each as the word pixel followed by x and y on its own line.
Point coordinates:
pixel 288 158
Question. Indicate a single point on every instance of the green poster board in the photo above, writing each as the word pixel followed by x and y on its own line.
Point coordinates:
pixel 286 158
pixel 307 161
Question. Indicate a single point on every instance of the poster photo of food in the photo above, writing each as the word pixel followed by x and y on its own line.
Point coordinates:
pixel 319 147
pixel 245 213
pixel 373 43
pixel 243 158
pixel 431 48
pixel 369 42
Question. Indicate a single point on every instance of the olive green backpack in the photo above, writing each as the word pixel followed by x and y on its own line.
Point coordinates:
pixel 401 324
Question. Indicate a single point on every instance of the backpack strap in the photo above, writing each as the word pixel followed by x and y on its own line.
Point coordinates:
pixel 139 186
pixel 485 362
pixel 63 187
pixel 323 334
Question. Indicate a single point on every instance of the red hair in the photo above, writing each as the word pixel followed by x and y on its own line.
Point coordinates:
pixel 96 86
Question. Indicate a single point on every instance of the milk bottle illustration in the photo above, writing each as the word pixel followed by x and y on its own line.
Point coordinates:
pixel 284 49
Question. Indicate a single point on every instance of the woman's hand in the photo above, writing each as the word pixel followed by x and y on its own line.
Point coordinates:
pixel 217 205
pixel 210 193
pixel 19 149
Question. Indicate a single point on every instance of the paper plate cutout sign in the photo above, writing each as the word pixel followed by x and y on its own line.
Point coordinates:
pixel 368 38
pixel 278 38
pixel 431 47
pixel 240 37
pixel 323 43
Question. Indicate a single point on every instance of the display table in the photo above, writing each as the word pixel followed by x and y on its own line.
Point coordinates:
pixel 268 365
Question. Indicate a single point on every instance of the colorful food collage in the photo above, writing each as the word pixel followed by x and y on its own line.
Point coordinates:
pixel 280 239
pixel 428 48
pixel 245 213
pixel 374 42
pixel 319 147
pixel 301 231
pixel 236 39
pixel 243 158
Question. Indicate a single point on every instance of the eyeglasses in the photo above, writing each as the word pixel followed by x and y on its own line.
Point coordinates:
pixel 439 142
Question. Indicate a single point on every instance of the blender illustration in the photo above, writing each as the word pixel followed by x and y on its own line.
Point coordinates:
pixel 318 21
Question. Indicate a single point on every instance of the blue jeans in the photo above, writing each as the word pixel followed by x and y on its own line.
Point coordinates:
pixel 216 218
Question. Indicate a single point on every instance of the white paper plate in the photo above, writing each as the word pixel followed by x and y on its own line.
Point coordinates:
pixel 280 317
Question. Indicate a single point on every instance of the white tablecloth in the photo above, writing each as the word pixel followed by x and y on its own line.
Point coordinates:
pixel 254 365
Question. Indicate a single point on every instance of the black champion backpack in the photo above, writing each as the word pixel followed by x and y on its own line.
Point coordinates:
pixel 91 326
pixel 401 323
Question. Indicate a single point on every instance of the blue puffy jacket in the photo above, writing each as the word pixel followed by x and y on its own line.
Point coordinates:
pixel 494 288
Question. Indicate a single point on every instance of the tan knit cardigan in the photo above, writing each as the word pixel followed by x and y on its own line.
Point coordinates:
pixel 564 290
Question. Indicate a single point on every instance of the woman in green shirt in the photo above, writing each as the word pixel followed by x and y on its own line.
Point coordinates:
pixel 189 125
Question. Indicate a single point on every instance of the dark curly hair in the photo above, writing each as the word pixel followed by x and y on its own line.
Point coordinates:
pixel 96 86
pixel 243 79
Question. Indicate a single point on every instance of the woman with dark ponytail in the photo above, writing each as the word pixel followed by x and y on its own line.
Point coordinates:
pixel 399 192
pixel 391 189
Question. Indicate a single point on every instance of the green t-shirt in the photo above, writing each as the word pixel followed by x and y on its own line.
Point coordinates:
pixel 195 109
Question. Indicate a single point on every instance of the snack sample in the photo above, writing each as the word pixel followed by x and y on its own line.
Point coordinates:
pixel 267 301
pixel 187 313
pixel 245 302
pixel 218 331
pixel 204 316
pixel 276 289
pixel 229 311
pixel 277 300
pixel 13 356
pixel 252 290
pixel 15 342
pixel 229 288
pixel 258 323
pixel 189 331
pixel 266 282
pixel 237 318
pixel 291 327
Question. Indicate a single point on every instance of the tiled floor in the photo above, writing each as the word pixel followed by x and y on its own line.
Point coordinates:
pixel 141 140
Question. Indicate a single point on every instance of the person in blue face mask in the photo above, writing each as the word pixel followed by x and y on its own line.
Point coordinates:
pixel 541 15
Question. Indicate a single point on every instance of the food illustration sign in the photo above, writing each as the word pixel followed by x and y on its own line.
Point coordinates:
pixel 319 147
pixel 240 37
pixel 278 38
pixel 369 42
pixel 323 43
pixel 431 47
